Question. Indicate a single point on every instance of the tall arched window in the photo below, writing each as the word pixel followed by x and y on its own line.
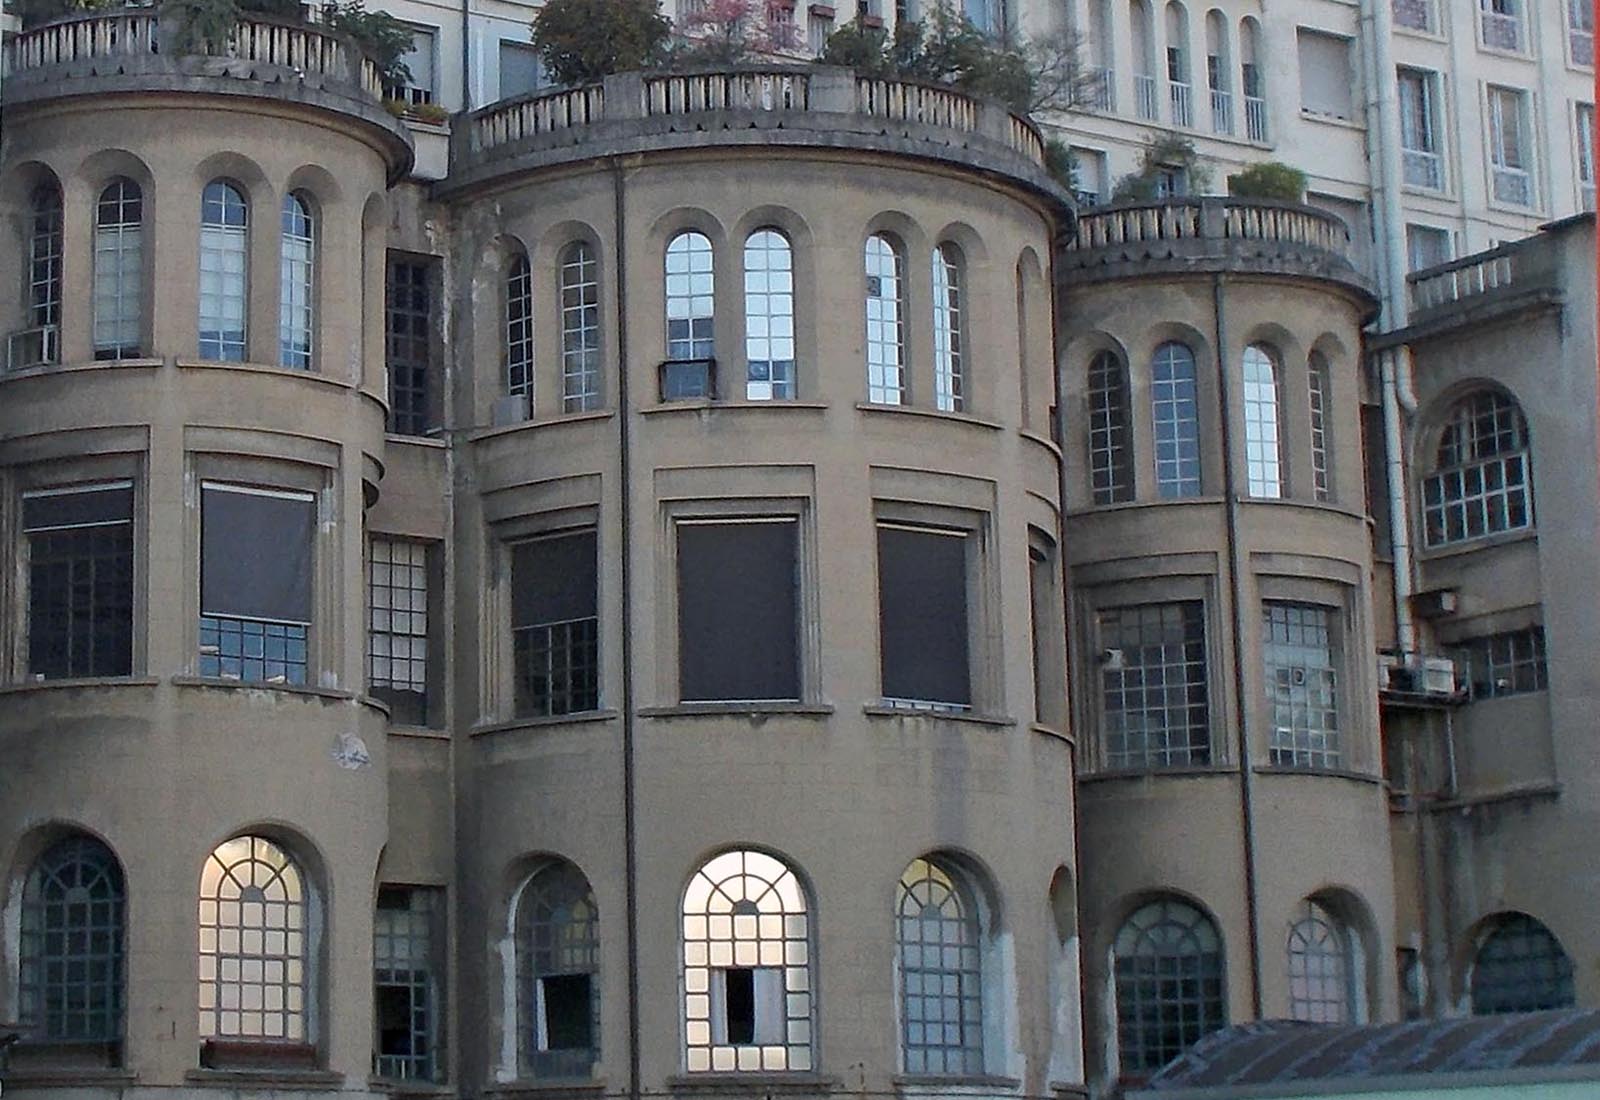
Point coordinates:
pixel 296 287
pixel 1479 484
pixel 769 316
pixel 119 271
pixel 747 975
pixel 1317 378
pixel 255 952
pixel 580 328
pixel 1175 415
pixel 558 973
pixel 691 313
pixel 938 937
pixel 885 308
pixel 1263 424
pixel 1110 434
pixel 44 276
pixel 949 343
pixel 1323 983
pixel 519 328
pixel 71 959
pixel 1251 84
pixel 224 264
pixel 1168 963
pixel 1520 967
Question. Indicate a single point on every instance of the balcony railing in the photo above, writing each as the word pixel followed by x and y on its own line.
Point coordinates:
pixel 1513 185
pixel 1219 219
pixel 1255 118
pixel 1144 94
pixel 1221 111
pixel 1500 31
pixel 1103 93
pixel 1465 278
pixel 1423 169
pixel 1182 104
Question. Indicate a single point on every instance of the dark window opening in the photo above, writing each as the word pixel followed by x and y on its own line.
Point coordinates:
pixel 256 570
pixel 80 581
pixel 923 609
pixel 408 971
pixel 739 1005
pixel 738 622
pixel 408 345
pixel 567 1012
pixel 555 625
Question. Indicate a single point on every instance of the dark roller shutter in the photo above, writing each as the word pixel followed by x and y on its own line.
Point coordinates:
pixel 922 608
pixel 553 579
pixel 78 508
pixel 736 611
pixel 256 554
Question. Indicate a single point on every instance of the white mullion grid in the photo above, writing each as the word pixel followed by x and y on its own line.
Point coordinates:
pixel 397 615
pixel 580 329
pixel 296 286
pixel 885 309
pixel 948 382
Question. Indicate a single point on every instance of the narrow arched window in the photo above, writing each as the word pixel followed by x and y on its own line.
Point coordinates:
pixel 1480 483
pixel 1168 963
pixel 1110 435
pixel 1263 423
pixel 691 312
pixel 885 307
pixel 1322 966
pixel 519 328
pixel 558 973
pixel 119 271
pixel 747 966
pixel 224 263
pixel 769 316
pixel 1175 415
pixel 72 944
pixel 42 345
pixel 949 343
pixel 255 920
pixel 296 304
pixel 1520 966
pixel 1317 380
pixel 580 328
pixel 938 933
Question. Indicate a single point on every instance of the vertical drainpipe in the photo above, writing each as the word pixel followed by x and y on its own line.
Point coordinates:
pixel 466 55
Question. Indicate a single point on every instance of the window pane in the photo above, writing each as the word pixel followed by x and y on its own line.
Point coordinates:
pixel 949 383
pixel 769 316
pixel 1262 423
pixel 408 325
pixel 558 972
pixel 580 329
pixel 1169 983
pixel 397 627
pixel 1317 380
pixel 554 624
pixel 737 615
pixel 922 603
pixel 1520 967
pixel 408 953
pixel 71 957
pixel 1479 485
pixel 296 287
pixel 118 271
pixel 885 309
pixel 80 580
pixel 44 265
pixel 1174 404
pixel 937 935
pixel 1110 437
pixel 254 952
pixel 1155 706
pixel 1321 979
pixel 224 264
pixel 690 298
pixel 519 329
pixel 1300 649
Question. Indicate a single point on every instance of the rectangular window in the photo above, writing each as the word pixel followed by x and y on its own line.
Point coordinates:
pixel 1426 246
pixel 1326 80
pixel 408 949
pixel 1091 177
pixel 1416 15
pixel 80 580
pixel 397 628
pixel 1510 146
pixel 747 1006
pixel 1580 31
pixel 521 70
pixel 1049 632
pixel 738 618
pixel 257 550
pixel 1422 165
pixel 418 60
pixel 1155 707
pixel 555 626
pixel 565 1013
pixel 1583 117
pixel 1500 24
pixel 1504 664
pixel 923 598
pixel 818 29
pixel 1317 375
pixel 1300 648
pixel 408 345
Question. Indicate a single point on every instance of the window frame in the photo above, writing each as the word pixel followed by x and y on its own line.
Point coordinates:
pixel 421 555
pixel 1112 458
pixel 1265 454
pixel 1317 993
pixel 765 294
pixel 299 236
pixel 537 1059
pixel 1211 1004
pixel 228 240
pixel 518 356
pixel 578 304
pixel 43 280
pixel 128 237
pixel 885 316
pixel 1319 396
pixel 1504 926
pixel 411 374
pixel 1323 746
pixel 950 322
pixel 26 563
pixel 1422 138
pixel 1192 611
pixel 583 700
pixel 973 995
pixel 1436 506
pixel 689 307
pixel 430 1065
pixel 1166 394
pixel 1523 173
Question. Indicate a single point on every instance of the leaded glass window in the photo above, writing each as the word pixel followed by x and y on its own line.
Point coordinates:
pixel 1110 434
pixel 71 962
pixel 44 270
pixel 949 340
pixel 769 316
pixel 397 627
pixel 1520 967
pixel 1299 644
pixel 519 328
pixel 224 266
pixel 1508 663
pixel 1480 483
pixel 885 310
pixel 558 973
pixel 1263 443
pixel 1322 980
pixel 580 329
pixel 119 271
pixel 1155 704
pixel 254 951
pixel 408 952
pixel 1175 413
pixel 691 305
pixel 80 579
pixel 1169 979
pixel 938 934
pixel 297 285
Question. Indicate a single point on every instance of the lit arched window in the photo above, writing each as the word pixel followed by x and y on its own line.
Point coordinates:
pixel 296 308
pixel 580 329
pixel 1318 379
pixel 254 944
pixel 44 275
pixel 747 975
pixel 769 316
pixel 885 306
pixel 1480 483
pixel 558 973
pixel 72 944
pixel 1520 967
pixel 1263 425
pixel 1175 414
pixel 224 263
pixel 118 270
pixel 1168 964
pixel 938 936
pixel 519 328
pixel 1110 437
pixel 691 307
pixel 949 343
pixel 1323 983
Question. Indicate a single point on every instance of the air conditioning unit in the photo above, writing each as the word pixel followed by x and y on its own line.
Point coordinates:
pixel 33 347
pixel 1438 676
pixel 1425 677
pixel 510 409
pixel 1389 665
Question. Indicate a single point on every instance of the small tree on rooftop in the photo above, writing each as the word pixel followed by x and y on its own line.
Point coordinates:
pixel 582 41
pixel 1269 180
pixel 1163 153
pixel 726 32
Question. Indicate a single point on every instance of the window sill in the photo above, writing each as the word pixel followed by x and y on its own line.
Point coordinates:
pixel 44 369
pixel 1501 51
pixel 1443 194
pixel 401 1087
pixel 552 1087
pixel 1482 542
pixel 312 375
pixel 1421 33
pixel 319 1080
pixel 79 682
pixel 933 414
pixel 757 1081
pixel 542 721
pixel 261 685
pixel 533 423
pixel 735 709
pixel 997 721
pixel 64 1077
pixel 1513 210
pixel 960 1083
pixel 707 404
pixel 424 441
pixel 1319 773
pixel 1042 440
pixel 1056 733
pixel 419 733
pixel 1186 771
pixel 1332 120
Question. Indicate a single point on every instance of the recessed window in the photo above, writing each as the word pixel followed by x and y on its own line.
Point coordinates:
pixel 769 316
pixel 1508 663
pixel 1426 246
pixel 40 342
pixel 418 60
pixel 1580 31
pixel 1510 146
pixel 738 617
pixel 1175 413
pixel 949 343
pixel 224 272
pixel 1251 80
pixel 1422 166
pixel 1300 645
pixel 691 316
pixel 1323 983
pixel 1167 960
pixel 521 70
pixel 408 953
pixel 1154 697
pixel 558 973
pixel 519 328
pixel 1480 484
pixel 1048 631
pixel 1500 24
pixel 938 938
pixel 923 616
pixel 1327 83
pixel 255 951
pixel 1416 15
pixel 1317 381
pixel 297 283
pixel 408 344
pixel 79 542
pixel 1110 434
pixel 555 626
pixel 885 311
pixel 580 328
pixel 397 628
pixel 119 270
pixel 1583 119
pixel 1263 423
pixel 73 932
pixel 1520 966
pixel 257 555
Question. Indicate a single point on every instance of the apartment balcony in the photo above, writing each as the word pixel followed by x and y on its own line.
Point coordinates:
pixel 1501 32
pixel 1422 169
pixel 1221 111
pixel 1103 96
pixel 1513 186
pixel 1255 119
pixel 1182 104
pixel 1144 95
pixel 1503 281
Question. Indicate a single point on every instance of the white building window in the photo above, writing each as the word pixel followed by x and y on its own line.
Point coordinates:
pixel 1419 129
pixel 1175 414
pixel 118 270
pixel 255 950
pixel 1263 422
pixel 558 973
pixel 691 318
pixel 1500 25
pixel 397 628
pixel 224 264
pixel 519 328
pixel 1110 431
pixel 1300 648
pixel 949 344
pixel 1167 961
pixel 1154 699
pixel 1416 15
pixel 1580 31
pixel 768 316
pixel 1426 246
pixel 1318 379
pixel 420 88
pixel 297 283
pixel 521 70
pixel 1480 483
pixel 1327 81
pixel 1510 146
pixel 1583 118
pixel 885 311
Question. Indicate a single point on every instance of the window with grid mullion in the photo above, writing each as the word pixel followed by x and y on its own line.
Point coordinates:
pixel 80 603
pixel 557 667
pixel 580 329
pixel 1300 656
pixel 44 259
pixel 1510 663
pixel 409 346
pixel 71 944
pixel 1155 706
pixel 1110 448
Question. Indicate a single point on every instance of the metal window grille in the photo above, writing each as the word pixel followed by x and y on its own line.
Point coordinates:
pixel 44 257
pixel 1175 411
pixel 949 382
pixel 1321 961
pixel 408 981
pixel 80 583
pixel 409 347
pixel 558 973
pixel 296 308
pixel 224 267
pixel 1317 382
pixel 1302 660
pixel 1510 663
pixel 885 310
pixel 1110 433
pixel 1221 111
pixel 519 328
pixel 1263 448
pixel 1480 484
pixel 558 667
pixel 937 933
pixel 691 306
pixel 1520 967
pixel 580 329
pixel 397 618
pixel 1144 95
pixel 1155 701
pixel 253 943
pixel 119 271
pixel 746 911
pixel 1167 960
pixel 769 316
pixel 252 650
pixel 71 961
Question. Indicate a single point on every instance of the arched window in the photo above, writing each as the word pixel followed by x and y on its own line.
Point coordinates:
pixel 747 974
pixel 1178 64
pixel 580 329
pixel 519 328
pixel 44 276
pixel 1263 425
pixel 1251 84
pixel 72 944
pixel 949 343
pixel 1520 967
pixel 1323 983
pixel 768 316
pixel 119 271
pixel 1168 964
pixel 558 973
pixel 885 307
pixel 254 944
pixel 1110 435
pixel 224 264
pixel 938 936
pixel 296 306
pixel 1175 413
pixel 1317 379
pixel 691 305
pixel 1480 483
